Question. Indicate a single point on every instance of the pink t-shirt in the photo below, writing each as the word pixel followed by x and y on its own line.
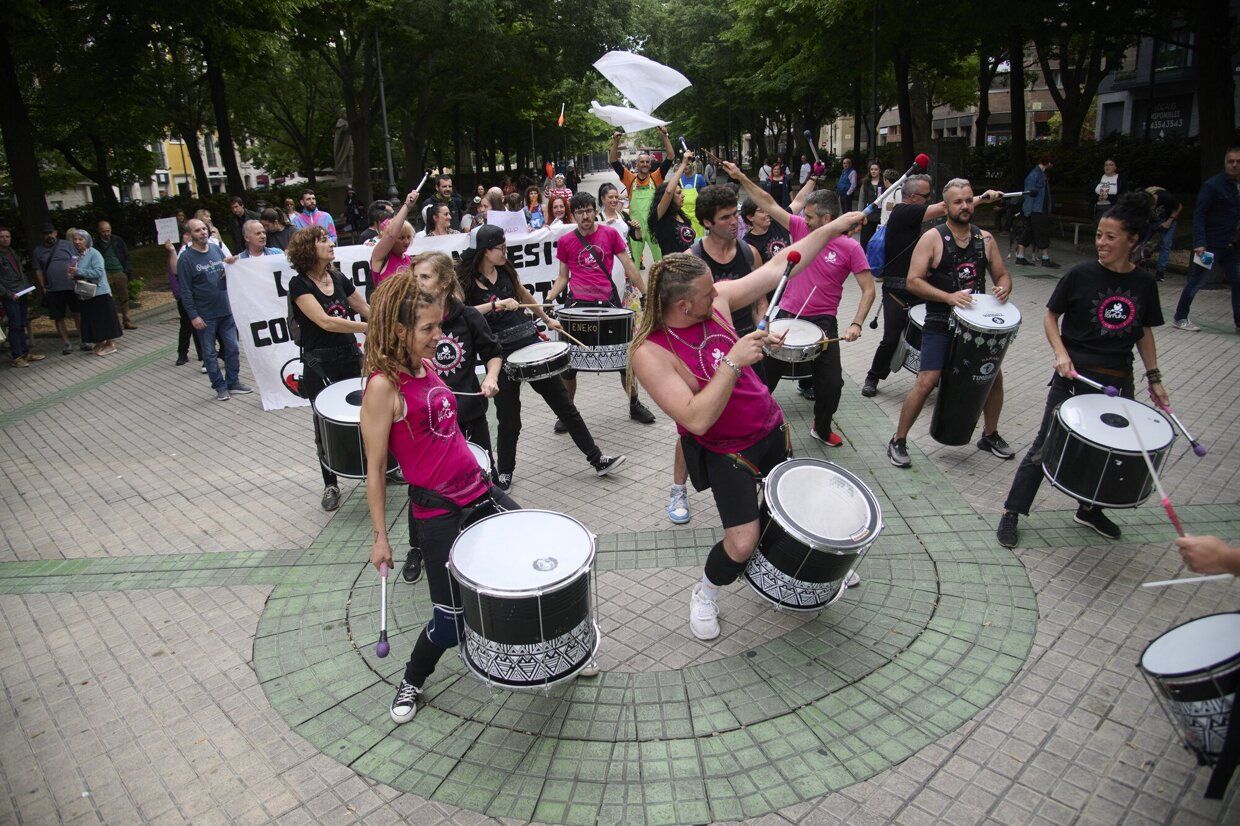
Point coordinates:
pixel 390 265
pixel 750 412
pixel 428 444
pixel 586 282
pixel 839 259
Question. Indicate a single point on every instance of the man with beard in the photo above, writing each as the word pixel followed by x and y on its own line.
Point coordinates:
pixel 947 269
pixel 445 195
pixel 311 216
pixel 640 185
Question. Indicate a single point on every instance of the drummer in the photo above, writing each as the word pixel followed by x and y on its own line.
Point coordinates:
pixel 947 269
pixel 465 340
pixel 695 367
pixel 491 286
pixel 1106 307
pixel 586 256
pixel 323 299
pixel 408 410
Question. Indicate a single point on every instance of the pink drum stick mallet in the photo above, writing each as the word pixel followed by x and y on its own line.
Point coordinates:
pixel 382 648
pixel 1105 388
pixel 1198 448
pixel 1166 500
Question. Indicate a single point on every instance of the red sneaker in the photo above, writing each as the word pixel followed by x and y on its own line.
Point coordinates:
pixel 833 439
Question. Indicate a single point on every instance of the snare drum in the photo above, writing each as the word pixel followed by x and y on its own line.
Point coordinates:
pixel 338 419
pixel 981 335
pixel 802 340
pixel 605 332
pixel 908 349
pixel 1091 451
pixel 818 522
pixel 1194 670
pixel 480 456
pixel 525 579
pixel 540 360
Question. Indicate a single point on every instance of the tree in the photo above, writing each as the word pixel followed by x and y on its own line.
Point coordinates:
pixel 18 134
pixel 1213 25
pixel 177 80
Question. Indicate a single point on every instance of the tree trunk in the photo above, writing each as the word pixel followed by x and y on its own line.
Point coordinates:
pixel 986 69
pixel 1016 94
pixel 223 129
pixel 18 137
pixel 901 59
pixel 1216 107
pixel 189 139
pixel 100 175
pixel 456 138
pixel 857 121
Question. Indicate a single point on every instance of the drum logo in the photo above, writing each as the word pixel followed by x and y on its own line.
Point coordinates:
pixel 291 375
pixel 984 372
pixel 449 353
pixel 1116 312
pixel 441 414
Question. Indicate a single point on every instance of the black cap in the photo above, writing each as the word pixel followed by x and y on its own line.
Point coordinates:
pixel 489 236
pixel 48 226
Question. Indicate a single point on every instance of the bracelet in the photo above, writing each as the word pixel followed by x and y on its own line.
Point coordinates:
pixel 493 300
pixel 732 364
pixel 855 324
pixel 1153 376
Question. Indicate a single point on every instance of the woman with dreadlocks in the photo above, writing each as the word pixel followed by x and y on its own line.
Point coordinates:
pixel 690 360
pixel 408 410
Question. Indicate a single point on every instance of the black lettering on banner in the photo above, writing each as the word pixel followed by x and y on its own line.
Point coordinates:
pixel 361 274
pixel 281 290
pixel 269 332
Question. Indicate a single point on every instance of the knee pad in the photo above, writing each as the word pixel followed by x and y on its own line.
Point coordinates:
pixel 445 627
pixel 721 569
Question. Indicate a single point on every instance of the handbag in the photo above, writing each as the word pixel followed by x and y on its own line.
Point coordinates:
pixel 85 289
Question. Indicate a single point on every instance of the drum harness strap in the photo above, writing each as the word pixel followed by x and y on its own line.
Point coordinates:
pixel 484 505
pixel 979 252
pixel 615 298
pixel 695 459
pixel 1227 760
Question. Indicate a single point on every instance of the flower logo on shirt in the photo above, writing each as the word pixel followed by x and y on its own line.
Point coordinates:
pixel 441 412
pixel 586 258
pixel 966 274
pixel 449 354
pixel 687 235
pixel 714 347
pixel 337 309
pixel 1115 312
pixel 776 246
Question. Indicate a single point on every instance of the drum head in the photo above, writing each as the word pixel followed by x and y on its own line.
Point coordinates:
pixel 917 315
pixel 480 454
pixel 522 553
pixel 822 505
pixel 1111 422
pixel 799 333
pixel 541 351
pixel 341 401
pixel 989 314
pixel 1197 645
pixel 594 313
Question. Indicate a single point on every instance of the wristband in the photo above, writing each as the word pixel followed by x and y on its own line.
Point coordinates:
pixel 1153 376
pixel 855 324
pixel 732 364
pixel 493 300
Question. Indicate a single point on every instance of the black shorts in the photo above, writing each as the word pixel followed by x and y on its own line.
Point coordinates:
pixel 733 478
pixel 60 304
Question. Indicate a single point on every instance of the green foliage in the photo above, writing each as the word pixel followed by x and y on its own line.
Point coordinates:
pixel 1169 163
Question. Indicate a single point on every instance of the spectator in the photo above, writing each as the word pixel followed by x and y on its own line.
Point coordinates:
pixel 237 218
pixel 558 187
pixel 806 171
pixel 279 233
pixel 255 242
pixel 99 322
pixel 1216 231
pixel 120 270
pixel 379 212
pixel 12 282
pixel 181 220
pixel 872 188
pixel 204 292
pixel 445 195
pixel 890 176
pixel 52 260
pixel 186 331
pixel 846 187
pixel 290 209
pixel 312 216
pixel 353 216
pixel 213 232
pixel 438 221
pixel 1108 189
pixel 533 208
pixel 512 202
pixel 1037 208
pixel 764 174
pixel 710 172
pixel 777 185
pixel 508 186
pixel 1166 209
pixel 571 180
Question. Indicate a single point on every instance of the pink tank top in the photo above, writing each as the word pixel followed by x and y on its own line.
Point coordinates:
pixel 428 444
pixel 390 265
pixel 750 412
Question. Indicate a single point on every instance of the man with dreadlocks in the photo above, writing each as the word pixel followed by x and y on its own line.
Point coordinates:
pixel 695 367
pixel 410 411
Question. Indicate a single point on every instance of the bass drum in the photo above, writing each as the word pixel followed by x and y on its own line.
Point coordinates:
pixel 1092 452
pixel 605 332
pixel 980 337
pixel 908 350
pixel 338 418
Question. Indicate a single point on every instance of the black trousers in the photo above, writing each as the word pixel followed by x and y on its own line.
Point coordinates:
pixel 186 334
pixel 896 304
pixel 828 378
pixel 555 394
pixel 1029 473
pixel 1037 231
pixel 319 369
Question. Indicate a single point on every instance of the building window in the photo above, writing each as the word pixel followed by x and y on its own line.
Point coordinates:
pixel 1170 55
pixel 210 147
pixel 1127 68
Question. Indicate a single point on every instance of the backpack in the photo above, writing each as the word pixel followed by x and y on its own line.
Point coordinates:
pixel 290 321
pixel 875 249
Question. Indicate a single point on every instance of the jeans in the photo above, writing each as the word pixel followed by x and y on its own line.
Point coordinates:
pixel 1229 261
pixel 224 329
pixel 555 394
pixel 1164 246
pixel 896 304
pixel 19 317
pixel 1029 474
pixel 828 375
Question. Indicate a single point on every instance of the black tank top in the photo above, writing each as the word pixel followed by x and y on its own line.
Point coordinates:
pixel 959 268
pixel 740 266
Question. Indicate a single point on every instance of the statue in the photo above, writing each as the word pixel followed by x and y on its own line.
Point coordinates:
pixel 342 151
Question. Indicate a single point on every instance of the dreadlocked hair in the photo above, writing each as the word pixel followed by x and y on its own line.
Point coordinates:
pixel 669 280
pixel 394 308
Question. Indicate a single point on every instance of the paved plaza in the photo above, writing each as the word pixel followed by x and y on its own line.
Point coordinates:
pixel 188 637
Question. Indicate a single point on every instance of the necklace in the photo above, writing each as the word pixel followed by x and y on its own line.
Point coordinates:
pixel 695 347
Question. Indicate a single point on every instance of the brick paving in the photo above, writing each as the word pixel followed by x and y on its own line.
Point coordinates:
pixel 187 637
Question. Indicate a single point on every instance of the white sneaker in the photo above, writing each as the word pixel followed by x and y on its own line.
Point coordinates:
pixel 703 615
pixel 1186 325
pixel 678 505
pixel 590 670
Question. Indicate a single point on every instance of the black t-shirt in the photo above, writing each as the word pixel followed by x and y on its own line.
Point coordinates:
pixel 769 243
pixel 671 234
pixel 314 337
pixel 1164 204
pixel 367 234
pixel 1104 314
pixel 739 267
pixel 464 341
pixel 903 230
pixel 513 328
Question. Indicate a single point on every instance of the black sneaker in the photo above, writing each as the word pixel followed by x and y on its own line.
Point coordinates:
pixel 405 704
pixel 897 452
pixel 1007 534
pixel 1049 264
pixel 503 481
pixel 806 391
pixel 638 412
pixel 606 464
pixel 412 570
pixel 1022 260
pixel 870 388
pixel 1160 276
pixel 994 443
pixel 331 498
pixel 181 360
pixel 559 427
pixel 1096 519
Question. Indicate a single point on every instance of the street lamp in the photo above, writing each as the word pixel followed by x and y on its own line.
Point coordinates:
pixel 393 192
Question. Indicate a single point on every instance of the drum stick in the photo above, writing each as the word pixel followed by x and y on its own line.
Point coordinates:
pixel 1108 389
pixel 422 182
pixel 463 393
pixel 794 258
pixel 1199 449
pixel 572 338
pixel 684 145
pixel 1166 501
pixel 809 138
pixel 1188 580
pixel 535 305
pixel 382 648
pixel 805 303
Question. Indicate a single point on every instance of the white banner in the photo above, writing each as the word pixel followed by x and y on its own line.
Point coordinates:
pixel 258 290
